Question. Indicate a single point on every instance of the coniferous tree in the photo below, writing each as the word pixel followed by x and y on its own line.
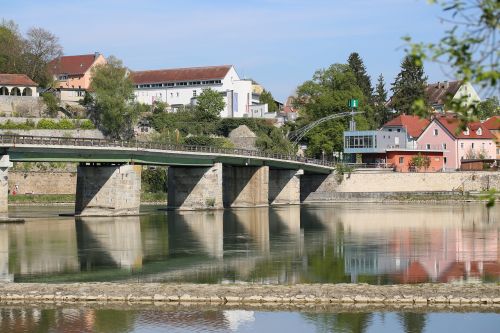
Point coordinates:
pixel 362 78
pixel 382 112
pixel 409 86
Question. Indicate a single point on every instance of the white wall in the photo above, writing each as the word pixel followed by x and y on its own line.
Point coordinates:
pixel 469 92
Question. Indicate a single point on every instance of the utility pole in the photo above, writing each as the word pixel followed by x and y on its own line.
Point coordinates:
pixel 353 104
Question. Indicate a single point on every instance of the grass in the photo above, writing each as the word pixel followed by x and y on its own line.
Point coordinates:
pixel 70 198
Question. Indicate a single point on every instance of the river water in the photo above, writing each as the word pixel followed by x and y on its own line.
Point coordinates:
pixel 328 243
pixel 331 243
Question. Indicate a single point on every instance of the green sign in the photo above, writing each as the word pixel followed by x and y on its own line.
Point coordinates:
pixel 353 103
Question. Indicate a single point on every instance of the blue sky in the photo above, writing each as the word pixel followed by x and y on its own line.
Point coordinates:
pixel 279 43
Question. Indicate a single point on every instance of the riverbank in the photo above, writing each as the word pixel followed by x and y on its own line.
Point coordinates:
pixel 463 295
pixel 47 199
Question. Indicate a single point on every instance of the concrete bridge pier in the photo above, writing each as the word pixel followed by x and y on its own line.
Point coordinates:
pixel 284 186
pixel 108 190
pixel 246 186
pixel 5 164
pixel 191 188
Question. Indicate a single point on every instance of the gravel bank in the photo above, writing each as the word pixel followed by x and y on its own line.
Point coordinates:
pixel 465 295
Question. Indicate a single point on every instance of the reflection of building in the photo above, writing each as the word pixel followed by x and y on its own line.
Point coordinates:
pixel 4 256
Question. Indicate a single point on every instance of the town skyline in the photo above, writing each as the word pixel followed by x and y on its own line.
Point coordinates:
pixel 310 37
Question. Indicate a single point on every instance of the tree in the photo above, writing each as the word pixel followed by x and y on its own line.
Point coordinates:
pixel 382 112
pixel 275 142
pixel 41 47
pixel 113 111
pixel 267 98
pixel 209 105
pixel 11 52
pixel 328 93
pixel 409 86
pixel 362 78
pixel 488 108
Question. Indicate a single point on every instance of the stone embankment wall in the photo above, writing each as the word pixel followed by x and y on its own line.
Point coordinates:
pixel 487 295
pixel 380 185
pixel 43 182
pixel 76 133
pixel 24 105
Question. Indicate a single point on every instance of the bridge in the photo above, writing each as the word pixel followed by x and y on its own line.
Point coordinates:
pixel 199 177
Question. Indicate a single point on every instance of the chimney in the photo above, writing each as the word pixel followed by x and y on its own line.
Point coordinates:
pixel 96 54
pixel 446 84
pixel 437 85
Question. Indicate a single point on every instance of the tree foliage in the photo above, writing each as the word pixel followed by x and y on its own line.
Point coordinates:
pixel 409 86
pixel 382 112
pixel 209 105
pixel 362 78
pixel 274 142
pixel 28 55
pixel 328 93
pixel 267 98
pixel 488 108
pixel 114 110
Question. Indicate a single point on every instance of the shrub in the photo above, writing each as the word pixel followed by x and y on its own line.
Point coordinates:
pixel 86 125
pixel 208 141
pixel 65 124
pixel 46 124
pixel 154 180
pixel 52 104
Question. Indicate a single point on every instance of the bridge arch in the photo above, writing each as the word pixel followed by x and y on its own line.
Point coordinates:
pixel 4 91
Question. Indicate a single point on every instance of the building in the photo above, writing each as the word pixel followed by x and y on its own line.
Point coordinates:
pixel 493 125
pixel 17 85
pixel 394 145
pixel 437 93
pixel 475 142
pixel 73 74
pixel 180 86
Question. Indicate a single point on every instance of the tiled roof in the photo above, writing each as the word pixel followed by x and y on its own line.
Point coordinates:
pixel 16 80
pixel 180 74
pixel 492 123
pixel 72 65
pixel 414 125
pixel 452 124
pixel 437 92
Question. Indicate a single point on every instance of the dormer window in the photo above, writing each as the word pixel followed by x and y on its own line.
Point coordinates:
pixel 479 131
pixel 466 132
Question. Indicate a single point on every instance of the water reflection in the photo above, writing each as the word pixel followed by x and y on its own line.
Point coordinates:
pixel 321 243
pixel 191 319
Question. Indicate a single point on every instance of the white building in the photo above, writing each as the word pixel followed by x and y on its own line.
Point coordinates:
pixel 17 85
pixel 180 86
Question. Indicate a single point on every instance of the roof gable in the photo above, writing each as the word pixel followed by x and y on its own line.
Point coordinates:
pixel 72 65
pixel 436 93
pixel 414 125
pixel 16 80
pixel 180 74
pixel 452 125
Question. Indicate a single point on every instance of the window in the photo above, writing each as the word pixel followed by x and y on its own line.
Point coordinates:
pixel 462 145
pixel 399 130
pixel 194 93
pixel 63 77
pixel 472 145
pixel 79 93
pixel 445 160
pixel 401 160
pixel 365 141
pixel 479 131
pixel 484 145
pixel 428 146
pixel 436 132
pixel 444 146
pixel 171 94
pixel 466 132
pixel 177 94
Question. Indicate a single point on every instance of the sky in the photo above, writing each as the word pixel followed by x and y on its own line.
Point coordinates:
pixel 278 43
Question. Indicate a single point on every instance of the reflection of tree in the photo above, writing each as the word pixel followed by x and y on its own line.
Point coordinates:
pixel 340 322
pixel 111 321
pixel 412 322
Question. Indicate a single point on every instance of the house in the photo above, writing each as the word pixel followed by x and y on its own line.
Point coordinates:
pixel 180 86
pixel 437 93
pixel 493 125
pixel 17 85
pixel 394 145
pixel 73 74
pixel 475 142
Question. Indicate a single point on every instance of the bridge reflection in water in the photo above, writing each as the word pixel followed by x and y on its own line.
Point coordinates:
pixel 289 244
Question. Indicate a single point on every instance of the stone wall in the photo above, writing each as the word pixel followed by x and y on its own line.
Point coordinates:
pixel 77 133
pixel 43 182
pixel 22 105
pixel 318 187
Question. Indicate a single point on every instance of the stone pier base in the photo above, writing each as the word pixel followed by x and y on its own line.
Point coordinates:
pixel 108 190
pixel 284 187
pixel 246 186
pixel 5 164
pixel 191 188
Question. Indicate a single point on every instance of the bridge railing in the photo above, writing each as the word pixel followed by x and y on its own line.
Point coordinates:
pixel 90 142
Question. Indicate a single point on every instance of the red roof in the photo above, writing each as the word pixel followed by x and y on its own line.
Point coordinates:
pixel 16 80
pixel 492 123
pixel 452 124
pixel 180 74
pixel 72 65
pixel 414 124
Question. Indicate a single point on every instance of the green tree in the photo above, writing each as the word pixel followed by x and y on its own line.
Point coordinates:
pixel 52 103
pixel 11 50
pixel 382 112
pixel 362 78
pixel 275 142
pixel 114 111
pixel 488 108
pixel 413 322
pixel 409 86
pixel 328 93
pixel 267 98
pixel 209 105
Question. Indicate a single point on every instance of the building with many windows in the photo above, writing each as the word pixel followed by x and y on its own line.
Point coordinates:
pixel 181 86
pixel 73 74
